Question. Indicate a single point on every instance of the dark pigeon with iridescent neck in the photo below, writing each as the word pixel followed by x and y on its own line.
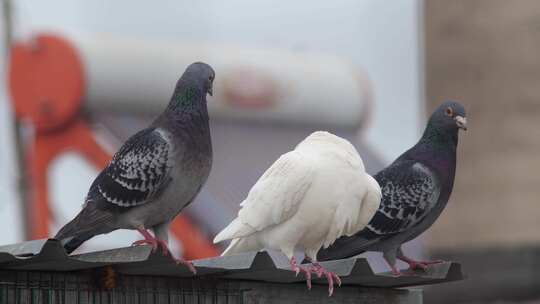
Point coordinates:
pixel 415 190
pixel 155 174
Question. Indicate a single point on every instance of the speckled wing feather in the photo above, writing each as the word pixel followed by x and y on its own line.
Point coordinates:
pixel 410 190
pixel 137 172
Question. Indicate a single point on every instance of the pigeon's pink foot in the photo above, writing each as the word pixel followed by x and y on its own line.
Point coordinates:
pixel 164 248
pixel 330 276
pixel 422 265
pixel 152 243
pixel 148 239
pixel 157 243
pixel 396 272
pixel 188 264
pixel 297 269
pixel 167 252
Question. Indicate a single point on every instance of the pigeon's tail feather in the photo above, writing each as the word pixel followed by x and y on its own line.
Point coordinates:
pixel 242 245
pixel 236 229
pixel 72 243
pixel 89 222
pixel 345 247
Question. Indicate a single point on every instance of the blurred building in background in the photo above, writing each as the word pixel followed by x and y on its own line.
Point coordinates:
pixel 485 53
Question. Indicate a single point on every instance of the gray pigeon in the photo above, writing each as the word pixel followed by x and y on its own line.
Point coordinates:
pixel 155 174
pixel 415 189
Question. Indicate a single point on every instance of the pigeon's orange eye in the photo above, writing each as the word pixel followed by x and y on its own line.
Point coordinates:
pixel 449 112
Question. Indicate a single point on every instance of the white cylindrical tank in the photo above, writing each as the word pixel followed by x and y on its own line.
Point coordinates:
pixel 137 75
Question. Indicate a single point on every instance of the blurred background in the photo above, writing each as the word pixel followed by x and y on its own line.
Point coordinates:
pixel 79 77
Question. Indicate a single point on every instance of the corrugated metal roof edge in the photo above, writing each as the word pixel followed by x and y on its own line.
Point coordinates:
pixel 49 255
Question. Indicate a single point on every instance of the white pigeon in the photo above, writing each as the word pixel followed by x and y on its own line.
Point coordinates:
pixel 306 200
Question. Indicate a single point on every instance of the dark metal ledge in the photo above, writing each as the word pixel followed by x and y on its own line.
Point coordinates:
pixel 49 255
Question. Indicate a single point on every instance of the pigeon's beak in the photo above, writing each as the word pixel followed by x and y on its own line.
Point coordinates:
pixel 211 90
pixel 461 122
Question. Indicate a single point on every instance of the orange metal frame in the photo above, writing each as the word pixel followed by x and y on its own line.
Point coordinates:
pixel 46 85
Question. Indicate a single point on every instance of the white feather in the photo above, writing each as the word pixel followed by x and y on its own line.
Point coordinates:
pixel 289 177
pixel 307 199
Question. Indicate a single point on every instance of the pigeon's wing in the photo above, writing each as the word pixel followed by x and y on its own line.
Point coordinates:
pixel 137 173
pixel 274 198
pixel 410 191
